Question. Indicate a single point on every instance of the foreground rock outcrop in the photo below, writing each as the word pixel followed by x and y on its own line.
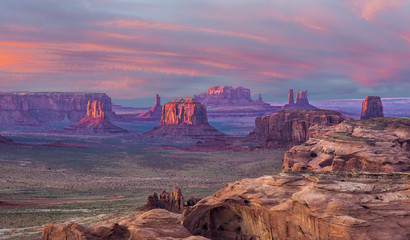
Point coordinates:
pixel 372 107
pixel 306 206
pixel 30 108
pixel 185 117
pixel 374 145
pixel 290 127
pixel 155 113
pixel 95 121
pixel 152 225
pixel 173 201
pixel 302 101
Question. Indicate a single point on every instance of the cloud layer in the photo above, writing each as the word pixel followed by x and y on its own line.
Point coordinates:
pixel 132 49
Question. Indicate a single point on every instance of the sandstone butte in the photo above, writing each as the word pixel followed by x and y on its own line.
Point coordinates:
pixel 155 113
pixel 34 108
pixel 306 206
pixel 185 117
pixel 302 101
pixel 95 121
pixel 374 145
pixel 371 108
pixel 291 126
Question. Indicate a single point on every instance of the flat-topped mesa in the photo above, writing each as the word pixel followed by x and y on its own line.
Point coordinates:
pixel 28 108
pixel 291 126
pixel 95 122
pixel 302 101
pixel 372 107
pixel 154 113
pixel 225 96
pixel 187 118
pixel 187 111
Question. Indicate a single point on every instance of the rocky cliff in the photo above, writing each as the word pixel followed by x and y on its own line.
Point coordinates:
pixel 374 145
pixel 155 113
pixel 306 206
pixel 185 117
pixel 289 127
pixel 225 95
pixel 95 122
pixel 152 225
pixel 371 108
pixel 29 108
pixel 302 101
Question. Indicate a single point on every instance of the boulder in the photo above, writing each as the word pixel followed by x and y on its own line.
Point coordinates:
pixel 371 108
pixel 374 145
pixel 155 113
pixel 306 206
pixel 95 122
pixel 290 127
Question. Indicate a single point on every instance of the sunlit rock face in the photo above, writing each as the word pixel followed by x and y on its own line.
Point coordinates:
pixel 155 113
pixel 374 145
pixel 30 108
pixel 306 206
pixel 290 127
pixel 95 121
pixel 371 108
pixel 185 117
pixel 302 101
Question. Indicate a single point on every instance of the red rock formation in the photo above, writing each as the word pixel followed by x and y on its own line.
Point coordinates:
pixel 290 127
pixel 154 224
pixel 302 101
pixel 225 95
pixel 155 113
pixel 173 201
pixel 306 206
pixel 27 108
pixel 375 145
pixel 95 121
pixel 371 108
pixel 185 117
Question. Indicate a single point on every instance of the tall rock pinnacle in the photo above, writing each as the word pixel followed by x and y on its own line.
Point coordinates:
pixel 291 98
pixel 372 107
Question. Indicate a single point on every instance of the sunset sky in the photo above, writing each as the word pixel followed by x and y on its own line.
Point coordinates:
pixel 133 49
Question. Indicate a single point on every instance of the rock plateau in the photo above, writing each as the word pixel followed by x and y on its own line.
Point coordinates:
pixel 371 108
pixel 185 117
pixel 374 145
pixel 95 121
pixel 290 127
pixel 306 206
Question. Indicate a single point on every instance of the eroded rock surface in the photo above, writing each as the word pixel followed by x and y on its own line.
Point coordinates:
pixel 185 117
pixel 29 108
pixel 375 145
pixel 289 127
pixel 372 107
pixel 95 122
pixel 173 201
pixel 152 225
pixel 302 101
pixel 155 113
pixel 225 95
pixel 306 206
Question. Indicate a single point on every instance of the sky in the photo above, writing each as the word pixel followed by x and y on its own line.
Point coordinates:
pixel 131 50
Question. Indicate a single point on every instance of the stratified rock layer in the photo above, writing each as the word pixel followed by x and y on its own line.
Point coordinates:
pixel 95 121
pixel 302 101
pixel 374 145
pixel 155 113
pixel 371 108
pixel 290 127
pixel 185 117
pixel 152 225
pixel 306 206
pixel 29 108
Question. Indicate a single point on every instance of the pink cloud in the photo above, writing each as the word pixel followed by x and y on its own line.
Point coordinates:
pixel 369 9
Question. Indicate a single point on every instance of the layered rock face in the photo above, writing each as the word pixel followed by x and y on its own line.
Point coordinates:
pixel 302 101
pixel 28 108
pixel 155 113
pixel 185 117
pixel 173 201
pixel 154 224
pixel 290 127
pixel 374 145
pixel 225 95
pixel 311 206
pixel 371 108
pixel 95 121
